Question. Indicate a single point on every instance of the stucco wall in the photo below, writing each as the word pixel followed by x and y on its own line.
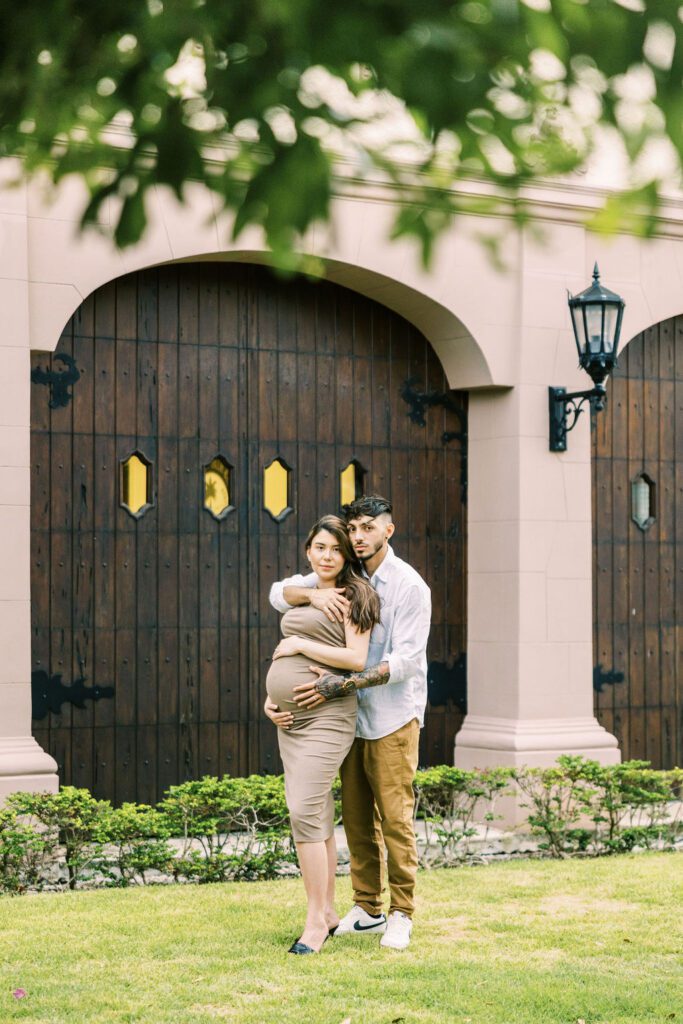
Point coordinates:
pixel 505 334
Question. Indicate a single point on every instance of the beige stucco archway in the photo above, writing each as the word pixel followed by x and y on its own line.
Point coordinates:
pixel 504 334
pixel 64 267
pixel 46 270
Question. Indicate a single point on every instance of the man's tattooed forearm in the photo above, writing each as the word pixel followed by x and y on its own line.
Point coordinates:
pixel 377 675
pixel 331 686
pixel 340 686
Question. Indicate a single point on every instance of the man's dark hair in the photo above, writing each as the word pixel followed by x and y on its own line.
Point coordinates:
pixel 372 505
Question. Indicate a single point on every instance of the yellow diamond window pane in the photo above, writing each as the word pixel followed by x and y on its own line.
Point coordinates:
pixel 217 487
pixel 347 484
pixel 134 483
pixel 275 487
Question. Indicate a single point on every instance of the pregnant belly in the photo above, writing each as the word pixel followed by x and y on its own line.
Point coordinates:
pixel 286 673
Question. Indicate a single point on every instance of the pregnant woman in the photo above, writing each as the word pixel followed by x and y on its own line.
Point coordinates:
pixel 319 739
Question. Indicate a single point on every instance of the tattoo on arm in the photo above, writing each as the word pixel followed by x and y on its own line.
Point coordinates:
pixel 332 686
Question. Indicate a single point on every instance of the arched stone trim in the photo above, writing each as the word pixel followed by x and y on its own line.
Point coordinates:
pixel 449 304
pixel 461 356
pixel 647 325
pixel 459 353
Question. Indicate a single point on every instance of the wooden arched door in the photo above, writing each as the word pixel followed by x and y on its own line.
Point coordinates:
pixel 152 630
pixel 638 549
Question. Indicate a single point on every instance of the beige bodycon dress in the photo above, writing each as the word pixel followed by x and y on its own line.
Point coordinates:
pixel 313 748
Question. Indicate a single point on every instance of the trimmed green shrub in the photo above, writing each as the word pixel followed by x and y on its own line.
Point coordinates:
pixel 136 838
pixel 214 807
pixel 636 805
pixel 24 853
pixel 231 828
pixel 451 802
pixel 558 799
pixel 223 829
pixel 581 806
pixel 71 819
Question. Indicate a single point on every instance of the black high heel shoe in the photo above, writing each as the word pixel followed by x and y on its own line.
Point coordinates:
pixel 301 949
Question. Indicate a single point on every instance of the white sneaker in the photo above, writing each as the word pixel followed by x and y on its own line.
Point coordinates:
pixel 397 934
pixel 359 922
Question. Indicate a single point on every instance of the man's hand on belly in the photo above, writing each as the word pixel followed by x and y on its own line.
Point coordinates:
pixel 325 687
pixel 328 686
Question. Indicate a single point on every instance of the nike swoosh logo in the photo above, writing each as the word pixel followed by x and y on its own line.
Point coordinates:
pixel 358 927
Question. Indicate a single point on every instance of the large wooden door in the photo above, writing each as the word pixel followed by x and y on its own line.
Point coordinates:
pixel 152 633
pixel 638 549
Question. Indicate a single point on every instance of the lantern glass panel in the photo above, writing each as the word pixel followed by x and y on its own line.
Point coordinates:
pixel 611 317
pixel 594 324
pixel 579 329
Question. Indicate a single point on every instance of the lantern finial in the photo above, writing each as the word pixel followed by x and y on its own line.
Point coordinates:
pixel 596 272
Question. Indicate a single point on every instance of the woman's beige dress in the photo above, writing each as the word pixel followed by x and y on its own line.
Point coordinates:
pixel 320 738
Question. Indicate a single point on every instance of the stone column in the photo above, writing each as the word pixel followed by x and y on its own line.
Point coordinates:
pixel 530 662
pixel 24 765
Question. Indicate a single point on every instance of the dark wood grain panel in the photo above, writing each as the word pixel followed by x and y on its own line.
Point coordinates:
pixel 104 300
pixel 640 696
pixel 83 407
pixel 104 755
pixel 170 609
pixel 104 711
pixel 82 757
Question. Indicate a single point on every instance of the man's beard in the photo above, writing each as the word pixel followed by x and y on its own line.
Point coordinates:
pixel 369 554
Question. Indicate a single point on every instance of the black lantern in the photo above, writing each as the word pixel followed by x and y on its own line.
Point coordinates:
pixel 596 318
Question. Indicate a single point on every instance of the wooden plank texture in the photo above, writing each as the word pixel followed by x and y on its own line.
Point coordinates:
pixel 639 689
pixel 170 609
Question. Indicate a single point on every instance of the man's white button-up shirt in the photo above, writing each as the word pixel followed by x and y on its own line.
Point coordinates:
pixel 400 639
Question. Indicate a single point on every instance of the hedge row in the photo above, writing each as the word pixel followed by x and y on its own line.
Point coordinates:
pixel 225 829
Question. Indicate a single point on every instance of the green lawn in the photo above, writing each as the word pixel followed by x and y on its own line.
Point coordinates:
pixel 522 942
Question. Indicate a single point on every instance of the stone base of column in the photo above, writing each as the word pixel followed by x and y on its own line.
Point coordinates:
pixel 24 766
pixel 485 742
pixel 510 743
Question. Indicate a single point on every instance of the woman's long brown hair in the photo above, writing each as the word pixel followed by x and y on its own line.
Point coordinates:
pixel 365 607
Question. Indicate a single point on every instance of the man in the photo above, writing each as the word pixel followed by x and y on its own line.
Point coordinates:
pixel 377 775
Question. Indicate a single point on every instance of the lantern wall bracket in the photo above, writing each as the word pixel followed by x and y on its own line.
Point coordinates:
pixel 565 410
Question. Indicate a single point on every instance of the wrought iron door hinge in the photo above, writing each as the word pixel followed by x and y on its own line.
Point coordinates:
pixel 602 679
pixel 59 383
pixel 48 693
pixel 448 682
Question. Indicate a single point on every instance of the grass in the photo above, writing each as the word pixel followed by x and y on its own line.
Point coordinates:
pixel 522 942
